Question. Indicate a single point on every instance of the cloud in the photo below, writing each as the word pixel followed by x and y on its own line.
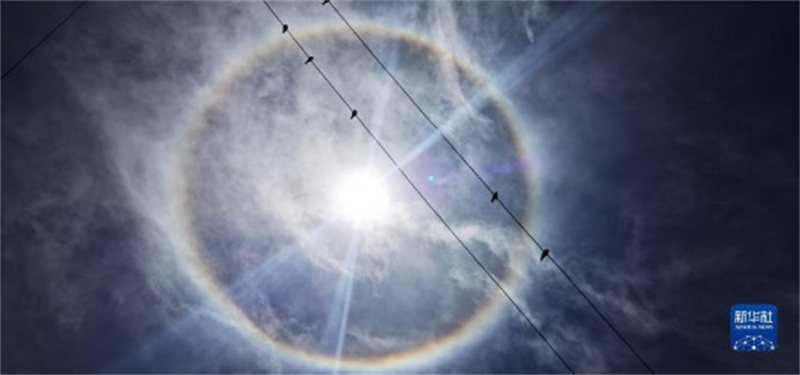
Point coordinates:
pixel 259 178
pixel 112 186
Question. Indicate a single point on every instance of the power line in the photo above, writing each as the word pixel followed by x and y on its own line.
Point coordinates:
pixel 544 252
pixel 414 186
pixel 604 317
pixel 50 33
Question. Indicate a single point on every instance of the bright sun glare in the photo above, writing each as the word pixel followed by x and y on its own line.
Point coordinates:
pixel 362 199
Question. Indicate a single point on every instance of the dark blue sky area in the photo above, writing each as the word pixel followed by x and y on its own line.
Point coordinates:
pixel 668 183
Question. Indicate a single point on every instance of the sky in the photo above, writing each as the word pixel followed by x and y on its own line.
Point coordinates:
pixel 172 182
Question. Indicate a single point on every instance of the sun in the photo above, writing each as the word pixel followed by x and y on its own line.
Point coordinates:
pixel 362 199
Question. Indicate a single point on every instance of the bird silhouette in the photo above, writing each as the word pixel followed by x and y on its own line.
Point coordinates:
pixel 310 59
pixel 354 114
pixel 285 29
pixel 545 253
pixel 495 196
pixel 325 2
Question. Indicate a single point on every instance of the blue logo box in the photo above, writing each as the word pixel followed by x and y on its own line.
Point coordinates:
pixel 754 328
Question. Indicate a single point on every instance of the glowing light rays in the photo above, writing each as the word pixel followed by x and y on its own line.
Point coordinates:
pixel 427 353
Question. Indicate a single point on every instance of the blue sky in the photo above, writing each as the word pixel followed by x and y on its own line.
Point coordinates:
pixel 170 169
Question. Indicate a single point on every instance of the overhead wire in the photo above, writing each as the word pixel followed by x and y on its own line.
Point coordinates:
pixel 41 41
pixel 544 253
pixel 397 166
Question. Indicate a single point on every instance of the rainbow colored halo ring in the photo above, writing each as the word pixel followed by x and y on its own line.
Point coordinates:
pixel 195 268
